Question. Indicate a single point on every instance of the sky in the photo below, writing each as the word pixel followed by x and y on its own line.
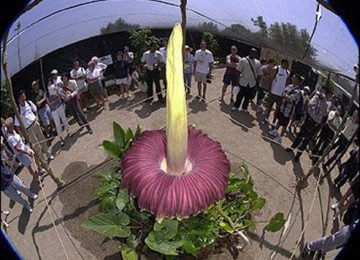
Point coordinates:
pixel 336 47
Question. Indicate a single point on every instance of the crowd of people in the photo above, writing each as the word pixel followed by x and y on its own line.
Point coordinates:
pixel 283 102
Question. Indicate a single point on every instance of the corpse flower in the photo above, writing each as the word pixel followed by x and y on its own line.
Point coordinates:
pixel 181 171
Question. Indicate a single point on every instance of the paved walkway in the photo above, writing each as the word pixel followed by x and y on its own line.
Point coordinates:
pixel 271 167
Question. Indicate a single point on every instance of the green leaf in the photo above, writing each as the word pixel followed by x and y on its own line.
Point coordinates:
pixel 258 203
pixel 105 176
pixel 112 149
pixel 132 241
pixel 126 147
pixel 162 246
pixel 189 247
pixel 119 135
pixel 138 131
pixel 227 227
pixel 167 229
pixel 276 222
pixel 106 188
pixel 128 253
pixel 122 199
pixel 129 135
pixel 107 203
pixel 109 225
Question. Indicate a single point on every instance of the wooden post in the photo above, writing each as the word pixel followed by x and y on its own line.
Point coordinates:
pixel 40 163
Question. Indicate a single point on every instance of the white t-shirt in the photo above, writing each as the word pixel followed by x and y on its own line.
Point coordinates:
pixel 101 67
pixel 334 121
pixel 94 74
pixel 246 74
pixel 14 139
pixel 163 53
pixel 74 73
pixel 151 58
pixel 279 82
pixel 27 114
pixel 203 60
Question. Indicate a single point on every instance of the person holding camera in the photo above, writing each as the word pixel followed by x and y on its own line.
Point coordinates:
pixel 202 69
pixel 317 108
pixel 250 74
pixel 152 61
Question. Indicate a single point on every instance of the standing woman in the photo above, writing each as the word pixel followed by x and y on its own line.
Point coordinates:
pixel 188 68
pixel 93 77
pixel 57 111
pixel 102 67
pixel 69 93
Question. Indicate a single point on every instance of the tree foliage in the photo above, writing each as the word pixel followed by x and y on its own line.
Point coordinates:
pixel 212 43
pixel 6 109
pixel 286 36
pixel 118 26
pixel 140 40
pixel 208 27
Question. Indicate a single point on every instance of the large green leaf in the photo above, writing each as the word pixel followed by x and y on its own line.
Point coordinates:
pixel 119 134
pixel 276 222
pixel 227 227
pixel 128 253
pixel 129 135
pixel 161 245
pixel 112 149
pixel 122 199
pixel 167 229
pixel 138 131
pixel 109 225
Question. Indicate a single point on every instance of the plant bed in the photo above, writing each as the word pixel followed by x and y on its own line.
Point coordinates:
pixel 197 237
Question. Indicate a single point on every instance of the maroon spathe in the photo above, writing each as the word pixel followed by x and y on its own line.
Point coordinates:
pixel 168 195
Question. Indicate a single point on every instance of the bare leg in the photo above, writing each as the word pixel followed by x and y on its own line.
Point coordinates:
pixel 199 88
pixel 224 88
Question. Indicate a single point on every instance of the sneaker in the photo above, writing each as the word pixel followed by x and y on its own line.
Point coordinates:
pixel 5 212
pixel 234 109
pixel 278 139
pixel 273 132
pixel 62 143
pixel 33 197
pixel 265 121
pixel 91 131
pixel 28 208
pixel 42 171
pixel 51 157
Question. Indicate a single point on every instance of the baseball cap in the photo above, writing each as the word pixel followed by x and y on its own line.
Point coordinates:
pixel 307 89
pixel 34 82
pixel 54 72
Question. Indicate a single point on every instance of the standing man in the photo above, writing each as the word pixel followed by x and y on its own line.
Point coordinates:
pixel 202 68
pixel 28 113
pixel 265 83
pixel 79 75
pixel 280 79
pixel 250 74
pixel 316 110
pixel 101 67
pixel 163 50
pixel 38 97
pixel 152 61
pixel 231 75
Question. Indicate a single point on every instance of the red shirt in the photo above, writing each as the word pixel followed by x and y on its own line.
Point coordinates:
pixel 231 70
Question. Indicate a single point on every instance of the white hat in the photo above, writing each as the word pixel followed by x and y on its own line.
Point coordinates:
pixel 307 89
pixel 54 72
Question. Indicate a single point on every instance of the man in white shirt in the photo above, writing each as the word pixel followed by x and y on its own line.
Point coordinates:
pixel 250 75
pixel 101 67
pixel 280 79
pixel 28 113
pixel 152 60
pixel 163 50
pixel 202 69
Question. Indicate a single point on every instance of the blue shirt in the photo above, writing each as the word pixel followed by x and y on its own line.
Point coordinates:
pixel 121 69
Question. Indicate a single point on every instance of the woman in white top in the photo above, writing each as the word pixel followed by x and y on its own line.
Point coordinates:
pixel 57 111
pixel 93 76
pixel 69 93
pixel 101 67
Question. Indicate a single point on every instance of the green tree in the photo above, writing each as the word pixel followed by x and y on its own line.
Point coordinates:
pixel 140 40
pixel 238 31
pixel 285 36
pixel 118 26
pixel 208 27
pixel 6 109
pixel 212 43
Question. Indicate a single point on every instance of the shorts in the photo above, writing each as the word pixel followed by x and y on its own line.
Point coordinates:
pixel 45 115
pixel 200 77
pixel 274 99
pixel 24 159
pixel 283 120
pixel 95 89
pixel 231 79
pixel 123 81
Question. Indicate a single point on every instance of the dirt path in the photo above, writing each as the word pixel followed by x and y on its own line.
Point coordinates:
pixel 272 168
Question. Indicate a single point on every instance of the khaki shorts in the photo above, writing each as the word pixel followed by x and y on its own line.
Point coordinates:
pixel 123 81
pixel 200 77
